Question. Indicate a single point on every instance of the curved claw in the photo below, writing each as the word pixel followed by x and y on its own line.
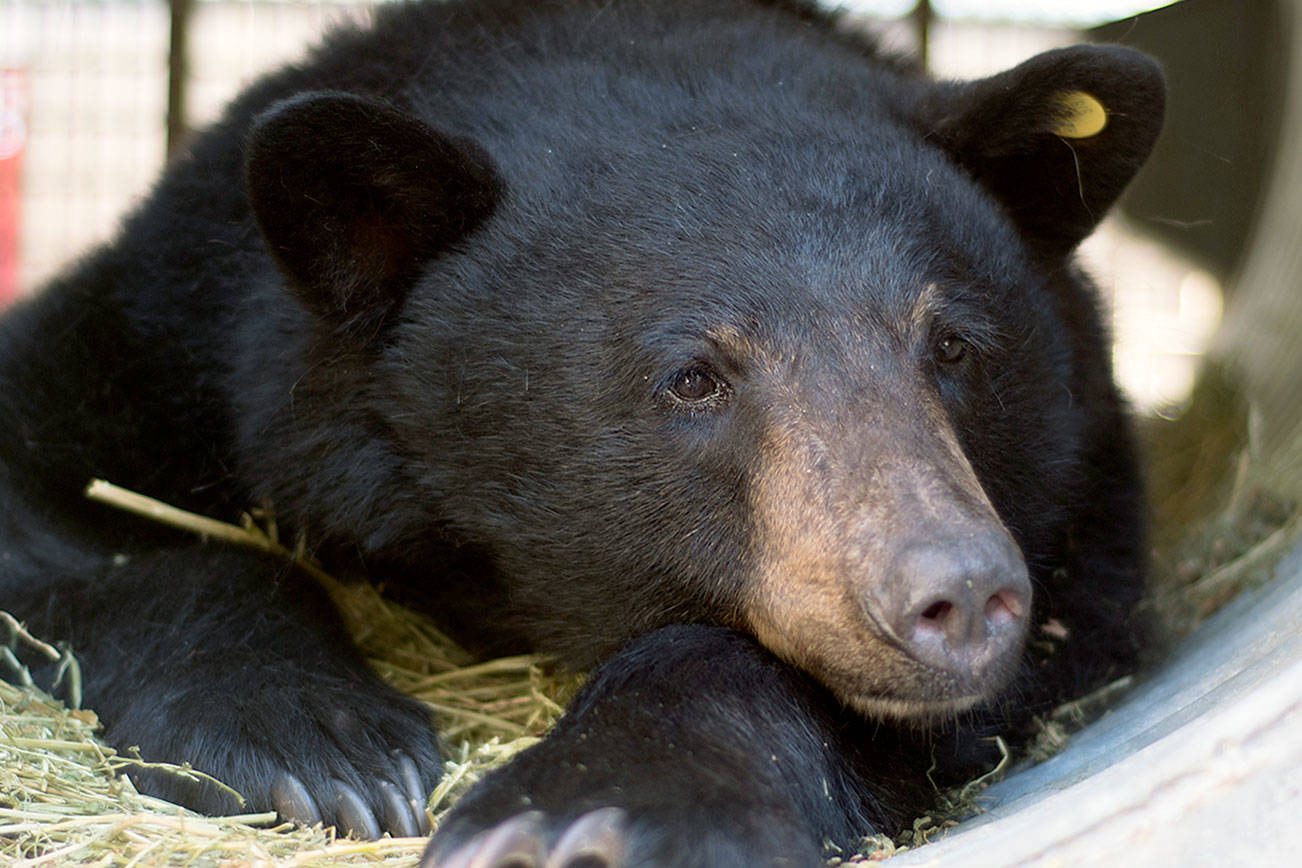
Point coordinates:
pixel 594 839
pixel 293 802
pixel 439 858
pixel 397 813
pixel 517 843
pixel 352 815
pixel 417 794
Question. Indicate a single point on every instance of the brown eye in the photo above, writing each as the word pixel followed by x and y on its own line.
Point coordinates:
pixel 950 349
pixel 693 384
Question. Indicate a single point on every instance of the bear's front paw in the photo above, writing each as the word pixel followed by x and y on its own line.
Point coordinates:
pixel 596 839
pixel 348 753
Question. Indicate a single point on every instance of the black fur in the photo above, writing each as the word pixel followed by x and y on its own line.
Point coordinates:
pixel 444 331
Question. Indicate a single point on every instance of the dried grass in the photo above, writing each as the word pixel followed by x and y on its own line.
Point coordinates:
pixel 66 798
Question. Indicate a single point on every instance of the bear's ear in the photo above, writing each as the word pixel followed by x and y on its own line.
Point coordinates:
pixel 353 196
pixel 1055 139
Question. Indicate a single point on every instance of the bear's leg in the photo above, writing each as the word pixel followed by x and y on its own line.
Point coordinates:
pixel 235 663
pixel 692 746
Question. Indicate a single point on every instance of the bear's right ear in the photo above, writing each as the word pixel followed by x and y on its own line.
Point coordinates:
pixel 353 196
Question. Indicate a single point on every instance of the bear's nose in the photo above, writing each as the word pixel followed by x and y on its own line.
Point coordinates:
pixel 959 604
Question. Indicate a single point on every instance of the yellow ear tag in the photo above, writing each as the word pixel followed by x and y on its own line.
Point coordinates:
pixel 1080 116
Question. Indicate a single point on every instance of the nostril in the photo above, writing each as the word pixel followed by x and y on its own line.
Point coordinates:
pixel 935 615
pixel 1004 606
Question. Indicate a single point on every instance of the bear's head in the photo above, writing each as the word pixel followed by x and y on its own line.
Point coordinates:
pixel 808 359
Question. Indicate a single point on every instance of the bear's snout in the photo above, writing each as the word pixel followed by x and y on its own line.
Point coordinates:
pixel 882 566
pixel 958 604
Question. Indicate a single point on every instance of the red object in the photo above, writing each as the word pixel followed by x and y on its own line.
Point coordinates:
pixel 13 139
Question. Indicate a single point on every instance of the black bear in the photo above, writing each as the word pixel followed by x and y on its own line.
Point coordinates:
pixel 690 341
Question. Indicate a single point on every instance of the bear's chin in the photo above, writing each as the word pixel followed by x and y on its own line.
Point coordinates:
pixel 921 712
pixel 924 695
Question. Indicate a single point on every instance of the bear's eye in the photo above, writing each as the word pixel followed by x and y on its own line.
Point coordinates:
pixel 950 349
pixel 694 384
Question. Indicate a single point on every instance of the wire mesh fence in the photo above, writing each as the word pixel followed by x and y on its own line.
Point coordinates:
pixel 85 107
pixel 84 119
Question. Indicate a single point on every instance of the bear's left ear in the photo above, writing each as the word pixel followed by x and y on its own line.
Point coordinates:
pixel 353 196
pixel 1055 139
